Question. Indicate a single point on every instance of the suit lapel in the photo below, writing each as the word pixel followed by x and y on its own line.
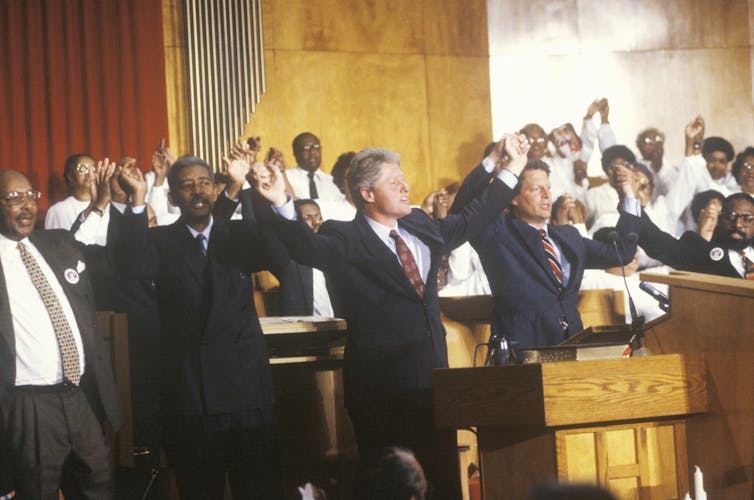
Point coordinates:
pixel 195 261
pixel 531 240
pixel 382 260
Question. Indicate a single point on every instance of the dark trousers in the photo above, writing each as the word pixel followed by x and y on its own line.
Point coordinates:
pixel 201 450
pixel 57 442
pixel 408 421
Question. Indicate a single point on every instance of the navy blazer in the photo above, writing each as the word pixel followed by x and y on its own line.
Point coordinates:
pixel 529 303
pixel 61 252
pixel 689 253
pixel 214 355
pixel 395 337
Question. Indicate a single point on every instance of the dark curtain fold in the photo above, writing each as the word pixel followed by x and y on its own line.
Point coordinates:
pixel 79 76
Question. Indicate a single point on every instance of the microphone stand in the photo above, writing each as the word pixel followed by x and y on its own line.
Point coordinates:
pixel 637 322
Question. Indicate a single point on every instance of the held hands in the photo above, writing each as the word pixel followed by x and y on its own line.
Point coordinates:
pixel 708 217
pixel 568 210
pixel 626 182
pixel 270 183
pixel 516 147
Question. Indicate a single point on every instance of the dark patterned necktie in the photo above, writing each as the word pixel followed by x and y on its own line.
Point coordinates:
pixel 69 354
pixel 410 269
pixel 313 195
pixel 552 257
pixel 202 240
pixel 748 266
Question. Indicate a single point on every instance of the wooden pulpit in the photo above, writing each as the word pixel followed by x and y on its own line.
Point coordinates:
pixel 715 316
pixel 617 422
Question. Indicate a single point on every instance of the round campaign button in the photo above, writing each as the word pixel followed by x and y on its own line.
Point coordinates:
pixel 71 276
pixel 716 254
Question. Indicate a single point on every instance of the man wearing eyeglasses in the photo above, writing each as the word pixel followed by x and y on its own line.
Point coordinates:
pixel 307 178
pixel 651 145
pixel 728 253
pixel 63 214
pixel 56 386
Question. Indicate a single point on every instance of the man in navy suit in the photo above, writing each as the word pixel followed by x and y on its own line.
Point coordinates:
pixel 56 386
pixel 728 253
pixel 535 294
pixel 381 269
pixel 217 387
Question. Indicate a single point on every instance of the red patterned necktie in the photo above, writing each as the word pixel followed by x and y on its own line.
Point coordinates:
pixel 409 264
pixel 69 354
pixel 552 257
pixel 748 266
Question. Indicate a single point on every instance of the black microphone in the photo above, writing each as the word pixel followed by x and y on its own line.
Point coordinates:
pixel 636 320
pixel 661 298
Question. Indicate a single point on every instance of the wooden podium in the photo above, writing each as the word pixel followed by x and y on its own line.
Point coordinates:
pixel 715 316
pixel 618 422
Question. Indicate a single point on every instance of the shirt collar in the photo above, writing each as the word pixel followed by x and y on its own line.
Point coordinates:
pixel 206 232
pixel 8 245
pixel 383 232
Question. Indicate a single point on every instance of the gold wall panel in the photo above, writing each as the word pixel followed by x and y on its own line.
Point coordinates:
pixel 460 123
pixel 172 22
pixel 385 26
pixel 456 28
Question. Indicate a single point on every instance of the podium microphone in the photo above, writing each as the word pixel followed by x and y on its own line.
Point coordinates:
pixel 661 298
pixel 636 320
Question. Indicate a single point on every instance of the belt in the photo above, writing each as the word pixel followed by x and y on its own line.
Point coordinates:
pixel 47 389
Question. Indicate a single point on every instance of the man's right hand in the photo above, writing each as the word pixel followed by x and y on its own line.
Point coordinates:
pixel 694 133
pixel 272 188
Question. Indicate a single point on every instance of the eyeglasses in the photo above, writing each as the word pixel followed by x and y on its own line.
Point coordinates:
pixel 652 140
pixel 747 166
pixel 18 198
pixel 85 168
pixel 733 217
pixel 617 164
pixel 538 140
pixel 309 147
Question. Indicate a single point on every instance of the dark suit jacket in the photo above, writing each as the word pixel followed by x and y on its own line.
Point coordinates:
pixel 61 252
pixel 214 356
pixel 395 338
pixel 529 304
pixel 296 290
pixel 689 253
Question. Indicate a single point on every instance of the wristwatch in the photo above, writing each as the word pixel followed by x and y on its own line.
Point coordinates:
pixel 99 212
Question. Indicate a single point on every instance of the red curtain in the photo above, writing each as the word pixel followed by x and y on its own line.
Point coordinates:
pixel 79 76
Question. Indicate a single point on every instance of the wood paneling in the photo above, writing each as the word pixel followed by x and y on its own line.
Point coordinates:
pixel 456 28
pixel 385 26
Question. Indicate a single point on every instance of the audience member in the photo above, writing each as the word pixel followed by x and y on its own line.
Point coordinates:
pixel 651 145
pixel 157 184
pixel 303 291
pixel 391 473
pixel 56 386
pixel 343 209
pixel 728 253
pixel 522 248
pixel 603 199
pixel 217 387
pixel 382 271
pixel 743 170
pixel 78 171
pixel 705 166
pixel 306 178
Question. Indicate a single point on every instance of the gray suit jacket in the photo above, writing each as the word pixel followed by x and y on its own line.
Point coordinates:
pixel 61 252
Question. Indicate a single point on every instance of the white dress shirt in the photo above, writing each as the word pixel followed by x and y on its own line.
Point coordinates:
pixel 326 188
pixel 737 261
pixel 38 359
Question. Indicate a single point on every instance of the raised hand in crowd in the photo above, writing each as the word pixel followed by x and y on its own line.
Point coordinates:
pixel 243 150
pixel 255 145
pixel 161 161
pixel 238 168
pixel 604 110
pixel 117 193
pixel 694 133
pixel 516 146
pixel 99 187
pixel 708 217
pixel 134 184
pixel 567 210
pixel 593 108
pixel 428 204
pixel 441 204
pixel 270 183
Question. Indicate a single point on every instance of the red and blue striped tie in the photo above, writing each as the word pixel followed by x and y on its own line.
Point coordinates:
pixel 552 257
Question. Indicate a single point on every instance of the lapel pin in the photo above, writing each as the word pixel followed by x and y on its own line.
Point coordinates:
pixel 80 266
pixel 716 254
pixel 71 276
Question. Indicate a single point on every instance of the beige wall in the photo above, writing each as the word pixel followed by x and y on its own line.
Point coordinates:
pixel 409 75
pixel 658 62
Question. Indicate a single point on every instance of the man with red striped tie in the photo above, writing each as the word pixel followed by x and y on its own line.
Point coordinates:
pixel 535 268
